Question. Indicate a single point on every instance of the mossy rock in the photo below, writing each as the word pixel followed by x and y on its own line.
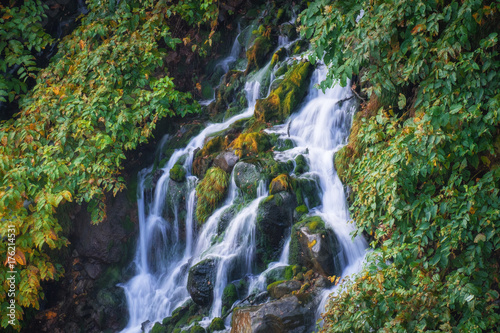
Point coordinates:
pixel 281 70
pixel 217 324
pixel 178 173
pixel 197 329
pixel 278 56
pixel 281 183
pixel 159 328
pixel 316 247
pixel 282 101
pixel 205 156
pixel 282 145
pixel 289 30
pixel 247 177
pixel 299 47
pixel 281 288
pixel 229 296
pixel 301 165
pixel 307 191
pixel 225 94
pixel 247 144
pixel 210 192
pixel 257 53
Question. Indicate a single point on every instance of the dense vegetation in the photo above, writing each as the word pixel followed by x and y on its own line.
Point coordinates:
pixel 101 95
pixel 423 160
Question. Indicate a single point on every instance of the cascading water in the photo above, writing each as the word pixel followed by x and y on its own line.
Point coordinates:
pixel 163 257
pixel 161 261
pixel 319 130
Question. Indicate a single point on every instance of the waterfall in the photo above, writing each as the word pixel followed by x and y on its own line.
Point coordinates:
pixel 164 256
pixel 319 129
pixel 161 261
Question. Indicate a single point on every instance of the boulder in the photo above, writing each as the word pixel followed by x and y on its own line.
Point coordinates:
pixel 274 217
pixel 201 280
pixel 226 161
pixel 281 288
pixel 225 218
pixel 247 177
pixel 316 247
pixel 291 314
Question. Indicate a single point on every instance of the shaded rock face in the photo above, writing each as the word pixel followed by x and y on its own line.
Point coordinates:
pixel 247 177
pixel 226 161
pixel 201 281
pixel 315 247
pixel 274 218
pixel 87 295
pixel 287 315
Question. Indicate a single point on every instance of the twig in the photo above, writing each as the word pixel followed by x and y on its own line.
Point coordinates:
pixel 234 307
pixel 355 93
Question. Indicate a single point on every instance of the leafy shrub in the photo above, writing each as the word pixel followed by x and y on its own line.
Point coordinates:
pixel 425 175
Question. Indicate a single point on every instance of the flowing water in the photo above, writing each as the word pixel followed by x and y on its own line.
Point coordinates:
pixel 164 256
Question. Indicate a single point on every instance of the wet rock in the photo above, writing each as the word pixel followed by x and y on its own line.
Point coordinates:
pixel 291 314
pixel 274 217
pixel 226 161
pixel 282 288
pixel 288 30
pixel 226 218
pixel 257 53
pixel 308 191
pixel 201 280
pixel 280 183
pixel 315 247
pixel 93 269
pixel 283 100
pixel 247 177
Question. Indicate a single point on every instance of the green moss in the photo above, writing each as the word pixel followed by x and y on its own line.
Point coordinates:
pixel 178 173
pixel 314 223
pixel 289 272
pixel 301 165
pixel 269 287
pixel 282 70
pixel 247 144
pixel 278 56
pixel 257 53
pixel 210 191
pixel 283 100
pixel 158 328
pixel 299 46
pixel 229 296
pixel 302 209
pixel 197 329
pixel 217 324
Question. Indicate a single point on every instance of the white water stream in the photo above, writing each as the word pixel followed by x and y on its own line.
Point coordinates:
pixel 162 261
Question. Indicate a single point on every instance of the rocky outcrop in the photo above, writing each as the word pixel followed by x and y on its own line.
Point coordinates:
pixel 274 217
pixel 201 280
pixel 316 247
pixel 291 314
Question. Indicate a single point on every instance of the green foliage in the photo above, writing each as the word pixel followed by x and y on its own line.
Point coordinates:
pixel 101 95
pixel 210 192
pixel 425 182
pixel 197 329
pixel 21 35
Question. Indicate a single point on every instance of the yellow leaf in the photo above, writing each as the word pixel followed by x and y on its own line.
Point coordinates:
pixel 66 195
pixel 20 258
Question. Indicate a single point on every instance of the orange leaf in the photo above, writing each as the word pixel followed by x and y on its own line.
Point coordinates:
pixel 418 28
pixel 20 258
